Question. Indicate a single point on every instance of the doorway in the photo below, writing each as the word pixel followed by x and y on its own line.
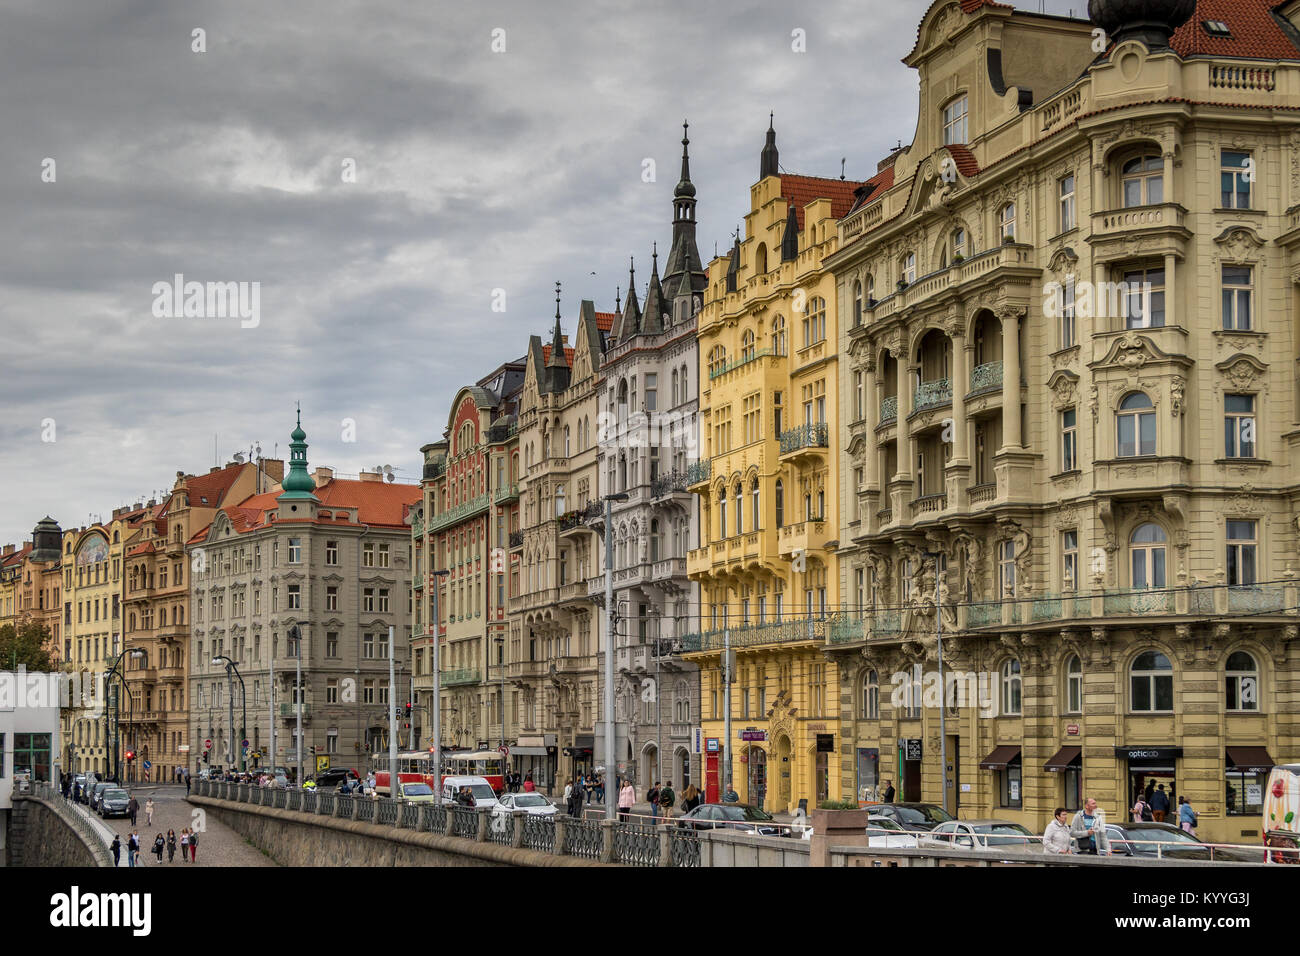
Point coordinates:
pixel 784 767
pixel 911 781
pixel 1150 775
pixel 953 774
pixel 757 765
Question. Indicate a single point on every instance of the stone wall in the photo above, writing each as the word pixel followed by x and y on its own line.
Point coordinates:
pixel 295 839
pixel 46 833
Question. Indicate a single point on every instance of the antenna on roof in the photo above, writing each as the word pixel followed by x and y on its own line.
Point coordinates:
pixel 843 160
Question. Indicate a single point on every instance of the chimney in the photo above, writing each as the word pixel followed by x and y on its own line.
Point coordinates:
pixel 371 476
pixel 9 549
pixel 214 468
pixel 322 474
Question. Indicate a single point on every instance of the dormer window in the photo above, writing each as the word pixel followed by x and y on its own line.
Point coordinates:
pixel 1217 28
pixel 955 127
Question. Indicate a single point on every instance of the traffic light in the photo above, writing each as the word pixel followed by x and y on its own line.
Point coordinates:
pixel 206 759
pixel 130 755
pixel 408 710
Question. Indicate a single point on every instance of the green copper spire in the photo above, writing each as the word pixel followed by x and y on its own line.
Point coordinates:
pixel 298 485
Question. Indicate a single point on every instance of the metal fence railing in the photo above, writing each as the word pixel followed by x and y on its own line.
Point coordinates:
pixel 410 813
pixel 582 838
pixel 501 829
pixel 365 809
pixel 464 823
pixel 636 845
pixel 539 833
pixel 684 847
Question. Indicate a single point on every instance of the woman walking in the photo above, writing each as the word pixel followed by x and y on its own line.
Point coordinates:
pixel 691 798
pixel 171 846
pixel 1186 816
pixel 148 812
pixel 185 845
pixel 626 800
pixel 159 844
pixel 194 846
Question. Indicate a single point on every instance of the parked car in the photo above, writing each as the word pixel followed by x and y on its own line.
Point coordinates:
pixel 914 817
pixel 334 776
pixel 882 833
pixel 418 793
pixel 995 836
pixel 534 803
pixel 1169 842
pixel 479 788
pixel 114 802
pixel 96 793
pixel 732 816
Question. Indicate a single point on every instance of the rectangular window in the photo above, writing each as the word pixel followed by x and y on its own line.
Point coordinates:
pixel 1066 206
pixel 331 643
pixel 1242 549
pixel 383 600
pixel 1009 786
pixel 1007 569
pixel 1069 440
pixel 1145 298
pixel 331 552
pixel 368 599
pixel 1239 426
pixel 956 122
pixel 368 555
pixel 1237 175
pixel 383 555
pixel 332 598
pixel 1244 793
pixel 1067 313
pixel 1070 559
pixel 295 597
pixel 1238 297
pixel 368 647
pixel 295 550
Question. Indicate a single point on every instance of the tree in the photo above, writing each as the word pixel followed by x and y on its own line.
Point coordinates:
pixel 26 645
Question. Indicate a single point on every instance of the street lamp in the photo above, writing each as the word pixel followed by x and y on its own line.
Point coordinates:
pixel 437 681
pixel 232 668
pixel 938 636
pixel 117 708
pixel 611 775
pixel 501 666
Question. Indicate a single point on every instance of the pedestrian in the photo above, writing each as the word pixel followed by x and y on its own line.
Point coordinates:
pixel 171 846
pixel 691 798
pixel 626 800
pixel 185 845
pixel 1056 838
pixel 133 809
pixel 1141 810
pixel 187 783
pixel 1150 790
pixel 600 788
pixel 1159 804
pixel 529 786
pixel 132 848
pixel 116 847
pixel 1187 818
pixel 1089 828
pixel 159 844
pixel 148 812
pixel 653 796
pixel 889 791
pixel 194 846
pixel 666 800
pixel 579 796
pixel 568 797
pixel 731 796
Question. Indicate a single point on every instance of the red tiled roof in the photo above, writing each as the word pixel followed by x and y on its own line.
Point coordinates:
pixel 146 548
pixel 1255 33
pixel 568 355
pixel 801 190
pixel 377 503
pixel 213 486
pixel 605 320
pixel 17 557
pixel 970 6
pixel 965 160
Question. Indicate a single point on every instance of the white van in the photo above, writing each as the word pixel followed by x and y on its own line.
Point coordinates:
pixel 1282 812
pixel 484 795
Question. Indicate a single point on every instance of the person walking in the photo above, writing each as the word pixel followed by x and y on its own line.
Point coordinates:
pixel 1159 804
pixel 529 786
pixel 1187 819
pixel 133 848
pixel 159 844
pixel 691 798
pixel 889 791
pixel 626 800
pixel 1140 810
pixel 187 783
pixel 148 812
pixel 185 845
pixel 1056 838
pixel 133 809
pixel 1089 828
pixel 194 846
pixel 666 800
pixel 653 796
pixel 116 848
pixel 568 797
pixel 171 846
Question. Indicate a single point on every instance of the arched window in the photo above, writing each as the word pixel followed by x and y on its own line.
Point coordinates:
pixel 870 696
pixel 760 259
pixel 1135 427
pixel 1142 180
pixel 1242 682
pixel 747 345
pixel 675 388
pixel 722 512
pixel 1011 687
pixel 740 509
pixel 686 394
pixel 1074 685
pixel 907 268
pixel 779 502
pixel 1007 221
pixel 682 702
pixel 717 361
pixel 1151 683
pixel 778 335
pixel 871 291
pixel 1147 556
pixel 566 441
pixel 958 244
pixel 753 493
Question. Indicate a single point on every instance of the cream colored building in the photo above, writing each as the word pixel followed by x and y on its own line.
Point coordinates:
pixel 1070 323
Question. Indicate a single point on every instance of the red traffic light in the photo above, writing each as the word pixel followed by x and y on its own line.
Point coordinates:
pixel 130 755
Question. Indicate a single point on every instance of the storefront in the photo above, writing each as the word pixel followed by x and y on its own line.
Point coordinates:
pixel 580 754
pixel 867 786
pixel 1247 770
pixel 1008 788
pixel 1067 764
pixel 1148 769
pixel 535 755
pixel 822 771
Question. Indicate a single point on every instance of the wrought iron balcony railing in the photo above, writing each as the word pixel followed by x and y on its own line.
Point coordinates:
pixel 815 435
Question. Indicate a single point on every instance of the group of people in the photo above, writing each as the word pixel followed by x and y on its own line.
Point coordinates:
pixel 188 842
pixel 515 782
pixel 1152 806
pixel 661 800
pixel 1085 832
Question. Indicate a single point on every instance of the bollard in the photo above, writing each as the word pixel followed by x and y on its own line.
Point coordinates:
pixel 419 818
pixel 484 815
pixel 665 847
pixel 607 841
pixel 449 826
pixel 517 838
pixel 560 827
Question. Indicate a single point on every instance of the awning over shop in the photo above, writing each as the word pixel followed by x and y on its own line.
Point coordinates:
pixel 1000 757
pixel 1249 760
pixel 528 751
pixel 1065 758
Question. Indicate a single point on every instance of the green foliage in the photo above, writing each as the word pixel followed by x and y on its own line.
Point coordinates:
pixel 838 805
pixel 26 645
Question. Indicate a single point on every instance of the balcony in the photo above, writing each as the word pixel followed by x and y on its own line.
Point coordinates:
pixel 291 710
pixel 668 568
pixel 985 378
pixel 745 359
pixel 573 593
pixel 698 472
pixel 982 494
pixel 571 522
pixel 459 513
pixel 815 435
pixel 519 669
pixel 1164 216
pixel 934 394
pixel 928 505
pixel 757 635
pixel 804 537
pixel 508 493
pixel 460 678
pixel 889 409
pixel 516 540
pixel 672 483
pixel 634 659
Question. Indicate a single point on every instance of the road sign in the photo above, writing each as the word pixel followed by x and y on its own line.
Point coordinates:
pixel 504 750
pixel 244 743
pixel 148 765
pixel 207 744
pixel 183 748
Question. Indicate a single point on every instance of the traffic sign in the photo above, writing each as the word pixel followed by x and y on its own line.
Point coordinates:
pixel 148 765
pixel 244 743
pixel 207 744
pixel 183 748
pixel 504 750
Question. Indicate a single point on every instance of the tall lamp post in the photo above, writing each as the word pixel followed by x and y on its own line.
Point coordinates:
pixel 233 669
pixel 117 707
pixel 295 635
pixel 501 666
pixel 943 703
pixel 611 774
pixel 436 716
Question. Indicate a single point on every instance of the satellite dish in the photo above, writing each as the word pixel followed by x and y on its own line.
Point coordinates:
pixel 239 457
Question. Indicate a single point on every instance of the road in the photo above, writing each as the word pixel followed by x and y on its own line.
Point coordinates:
pixel 218 844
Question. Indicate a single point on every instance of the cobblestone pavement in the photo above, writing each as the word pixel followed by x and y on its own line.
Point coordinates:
pixel 218 846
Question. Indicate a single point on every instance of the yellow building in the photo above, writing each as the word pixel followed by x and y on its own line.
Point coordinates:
pixel 767 482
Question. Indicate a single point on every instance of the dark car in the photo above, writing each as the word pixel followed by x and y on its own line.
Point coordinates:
pixel 114 802
pixel 732 816
pixel 96 793
pixel 1168 842
pixel 334 776
pixel 914 817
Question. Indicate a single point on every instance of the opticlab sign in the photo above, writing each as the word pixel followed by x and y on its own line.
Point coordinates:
pixel 74 910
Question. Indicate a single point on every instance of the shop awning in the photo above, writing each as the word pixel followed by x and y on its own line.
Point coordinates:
pixel 1249 760
pixel 1000 757
pixel 528 751
pixel 1065 758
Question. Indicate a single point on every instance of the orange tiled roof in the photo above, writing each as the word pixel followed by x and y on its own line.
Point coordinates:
pixel 378 504
pixel 568 355
pixel 965 160
pixel 213 486
pixel 801 190
pixel 605 320
pixel 1255 32
pixel 146 548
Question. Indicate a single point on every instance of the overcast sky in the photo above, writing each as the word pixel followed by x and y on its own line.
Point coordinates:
pixel 475 170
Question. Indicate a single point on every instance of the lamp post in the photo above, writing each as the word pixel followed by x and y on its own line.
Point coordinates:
pixel 117 708
pixel 938 636
pixel 501 667
pixel 611 775
pixel 436 717
pixel 233 669
pixel 295 635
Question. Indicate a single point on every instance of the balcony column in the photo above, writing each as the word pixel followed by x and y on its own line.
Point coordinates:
pixel 1171 298
pixel 871 394
pixel 957 472
pixel 1010 317
pixel 900 486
